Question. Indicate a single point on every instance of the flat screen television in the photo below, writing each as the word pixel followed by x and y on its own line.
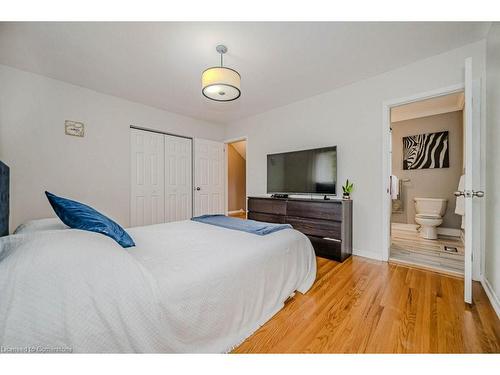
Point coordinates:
pixel 303 172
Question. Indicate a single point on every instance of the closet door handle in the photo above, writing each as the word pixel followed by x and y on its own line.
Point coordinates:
pixel 198 188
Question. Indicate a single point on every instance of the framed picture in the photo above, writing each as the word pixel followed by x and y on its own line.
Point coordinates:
pixel 74 128
pixel 425 151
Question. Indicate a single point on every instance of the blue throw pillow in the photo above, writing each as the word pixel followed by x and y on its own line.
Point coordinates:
pixel 80 216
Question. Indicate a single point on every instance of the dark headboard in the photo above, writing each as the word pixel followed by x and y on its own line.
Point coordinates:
pixel 4 199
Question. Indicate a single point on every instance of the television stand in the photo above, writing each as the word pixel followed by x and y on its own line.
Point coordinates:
pixel 327 223
pixel 281 196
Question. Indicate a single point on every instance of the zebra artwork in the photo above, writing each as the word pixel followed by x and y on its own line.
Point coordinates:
pixel 426 151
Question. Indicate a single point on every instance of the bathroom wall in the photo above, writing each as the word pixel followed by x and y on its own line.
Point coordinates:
pixel 429 183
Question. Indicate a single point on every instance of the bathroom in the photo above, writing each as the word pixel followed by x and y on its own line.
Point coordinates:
pixel 427 165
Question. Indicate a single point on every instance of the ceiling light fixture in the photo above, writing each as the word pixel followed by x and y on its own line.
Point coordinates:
pixel 220 83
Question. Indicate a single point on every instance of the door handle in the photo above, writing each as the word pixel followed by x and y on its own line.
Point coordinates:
pixel 198 188
pixel 469 194
pixel 478 194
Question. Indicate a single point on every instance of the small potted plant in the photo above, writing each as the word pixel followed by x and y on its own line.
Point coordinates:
pixel 347 189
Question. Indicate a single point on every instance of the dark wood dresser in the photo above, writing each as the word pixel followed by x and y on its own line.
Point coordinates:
pixel 327 223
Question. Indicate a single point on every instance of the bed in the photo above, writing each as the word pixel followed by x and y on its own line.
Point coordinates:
pixel 186 287
pixel 4 199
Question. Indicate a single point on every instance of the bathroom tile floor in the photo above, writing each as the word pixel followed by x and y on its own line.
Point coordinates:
pixel 407 247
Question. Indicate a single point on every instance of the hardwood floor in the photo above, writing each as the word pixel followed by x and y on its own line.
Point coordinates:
pixel 366 306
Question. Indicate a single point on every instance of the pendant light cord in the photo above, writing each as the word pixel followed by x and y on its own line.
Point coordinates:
pixel 221 60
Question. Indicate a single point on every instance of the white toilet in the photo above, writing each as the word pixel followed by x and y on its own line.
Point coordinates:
pixel 429 214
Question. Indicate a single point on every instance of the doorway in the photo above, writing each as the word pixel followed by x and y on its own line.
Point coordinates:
pixel 473 175
pixel 427 167
pixel 236 178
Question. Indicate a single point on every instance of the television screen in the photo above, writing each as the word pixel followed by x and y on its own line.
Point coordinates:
pixel 303 172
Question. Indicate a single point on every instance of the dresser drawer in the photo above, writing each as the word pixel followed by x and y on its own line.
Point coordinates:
pixel 268 218
pixel 267 206
pixel 314 227
pixel 328 249
pixel 315 210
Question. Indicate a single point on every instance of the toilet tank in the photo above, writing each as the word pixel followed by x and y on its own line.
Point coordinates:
pixel 430 206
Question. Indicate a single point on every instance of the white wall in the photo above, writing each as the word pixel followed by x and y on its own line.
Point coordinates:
pixel 351 118
pixel 94 169
pixel 492 249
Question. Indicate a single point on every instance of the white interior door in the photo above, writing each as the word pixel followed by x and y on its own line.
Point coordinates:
pixel 472 178
pixel 147 178
pixel 178 178
pixel 209 177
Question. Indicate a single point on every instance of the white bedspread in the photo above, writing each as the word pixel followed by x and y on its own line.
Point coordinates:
pixel 217 285
pixel 185 287
pixel 78 291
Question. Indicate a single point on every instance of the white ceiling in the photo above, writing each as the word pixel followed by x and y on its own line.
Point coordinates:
pixel 159 64
pixel 429 107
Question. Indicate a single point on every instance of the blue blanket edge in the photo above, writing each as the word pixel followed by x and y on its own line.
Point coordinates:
pixel 259 228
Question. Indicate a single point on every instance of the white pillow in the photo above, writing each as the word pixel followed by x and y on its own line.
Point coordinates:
pixel 53 223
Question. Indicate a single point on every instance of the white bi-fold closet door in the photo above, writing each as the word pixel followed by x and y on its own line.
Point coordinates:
pixel 161 178
pixel 178 178
pixel 147 204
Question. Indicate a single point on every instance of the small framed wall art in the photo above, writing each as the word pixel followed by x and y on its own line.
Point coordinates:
pixel 74 128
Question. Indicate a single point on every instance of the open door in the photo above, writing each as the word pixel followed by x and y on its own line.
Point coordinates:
pixel 209 187
pixel 472 170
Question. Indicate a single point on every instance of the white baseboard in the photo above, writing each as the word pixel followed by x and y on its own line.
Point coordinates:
pixel 494 300
pixel 441 230
pixel 368 254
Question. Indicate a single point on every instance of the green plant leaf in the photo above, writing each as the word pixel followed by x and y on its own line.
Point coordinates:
pixel 348 187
